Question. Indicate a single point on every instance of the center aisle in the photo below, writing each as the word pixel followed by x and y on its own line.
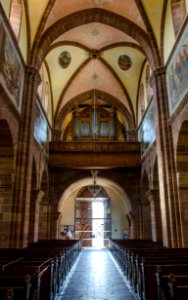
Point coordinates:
pixel 96 277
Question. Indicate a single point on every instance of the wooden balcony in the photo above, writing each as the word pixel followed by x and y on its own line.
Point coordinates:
pixel 87 155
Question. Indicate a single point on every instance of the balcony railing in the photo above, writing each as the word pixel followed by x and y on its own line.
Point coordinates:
pixel 80 155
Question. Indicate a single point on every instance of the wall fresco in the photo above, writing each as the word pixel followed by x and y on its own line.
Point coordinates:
pixel 11 67
pixel 147 131
pixel 177 73
pixel 41 128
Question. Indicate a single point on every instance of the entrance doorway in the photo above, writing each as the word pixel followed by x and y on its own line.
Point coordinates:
pixel 92 221
pixel 98 224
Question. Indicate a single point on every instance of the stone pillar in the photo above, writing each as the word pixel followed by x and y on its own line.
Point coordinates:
pixel 112 124
pixel 56 135
pixel 183 196
pixel 23 166
pixel 55 215
pixel 132 135
pixel 77 130
pixel 146 220
pixel 170 213
pixel 135 221
pixel 44 219
pixel 156 228
pixel 36 197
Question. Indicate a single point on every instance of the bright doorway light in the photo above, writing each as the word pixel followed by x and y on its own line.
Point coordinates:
pixel 98 224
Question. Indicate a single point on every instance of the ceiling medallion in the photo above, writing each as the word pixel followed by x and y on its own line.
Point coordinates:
pixel 64 59
pixel 94 76
pixel 124 62
pixel 95 32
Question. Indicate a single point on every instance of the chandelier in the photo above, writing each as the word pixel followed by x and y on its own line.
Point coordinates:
pixel 94 188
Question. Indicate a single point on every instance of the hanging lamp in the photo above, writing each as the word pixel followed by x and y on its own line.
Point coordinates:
pixel 94 188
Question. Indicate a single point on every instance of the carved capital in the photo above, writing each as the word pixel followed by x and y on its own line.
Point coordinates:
pixel 157 73
pixel 151 194
pixel 33 73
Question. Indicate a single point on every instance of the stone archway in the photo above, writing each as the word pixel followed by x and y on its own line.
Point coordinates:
pixel 6 188
pixel 120 204
pixel 145 213
pixel 182 178
pixel 41 46
pixel 34 194
pixel 43 209
pixel 154 199
pixel 178 8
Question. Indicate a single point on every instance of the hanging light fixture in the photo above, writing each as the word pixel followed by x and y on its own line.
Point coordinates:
pixel 94 188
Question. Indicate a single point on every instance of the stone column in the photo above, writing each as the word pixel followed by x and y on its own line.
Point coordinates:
pixel 135 228
pixel 170 213
pixel 54 230
pixel 23 165
pixel 156 228
pixel 183 196
pixel 146 220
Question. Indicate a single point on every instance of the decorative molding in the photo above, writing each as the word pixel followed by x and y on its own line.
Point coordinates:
pixel 179 110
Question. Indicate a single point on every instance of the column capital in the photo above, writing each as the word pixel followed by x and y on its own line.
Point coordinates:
pixel 156 73
pixel 151 195
pixel 159 71
pixel 151 192
pixel 34 73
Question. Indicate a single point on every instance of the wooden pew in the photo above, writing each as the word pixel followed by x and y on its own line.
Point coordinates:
pixel 172 286
pixel 140 260
pixel 39 286
pixel 46 263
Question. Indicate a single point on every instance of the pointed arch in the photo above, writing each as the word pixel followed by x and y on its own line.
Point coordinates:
pixel 149 91
pixel 16 16
pixel 95 15
pixel 6 184
pixel 145 213
pixel 178 8
pixel 142 100
pixel 182 177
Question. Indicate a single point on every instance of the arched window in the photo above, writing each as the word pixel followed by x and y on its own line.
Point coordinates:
pixel 15 16
pixel 141 99
pixel 178 8
pixel 40 87
pixel 46 97
pixel 149 91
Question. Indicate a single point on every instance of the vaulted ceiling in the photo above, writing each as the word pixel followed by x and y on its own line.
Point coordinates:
pixel 95 44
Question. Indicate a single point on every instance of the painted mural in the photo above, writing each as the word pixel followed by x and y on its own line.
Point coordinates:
pixel 41 128
pixel 64 59
pixel 124 62
pixel 11 67
pixel 147 131
pixel 177 73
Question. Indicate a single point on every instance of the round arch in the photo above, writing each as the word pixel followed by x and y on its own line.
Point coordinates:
pixel 120 206
pixel 108 184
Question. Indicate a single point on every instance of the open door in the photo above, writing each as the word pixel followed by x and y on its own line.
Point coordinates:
pixel 92 221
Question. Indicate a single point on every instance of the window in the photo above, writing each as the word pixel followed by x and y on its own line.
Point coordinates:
pixel 141 98
pixel 149 91
pixel 46 97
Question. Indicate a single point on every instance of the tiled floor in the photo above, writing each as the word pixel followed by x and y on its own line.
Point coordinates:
pixel 96 277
